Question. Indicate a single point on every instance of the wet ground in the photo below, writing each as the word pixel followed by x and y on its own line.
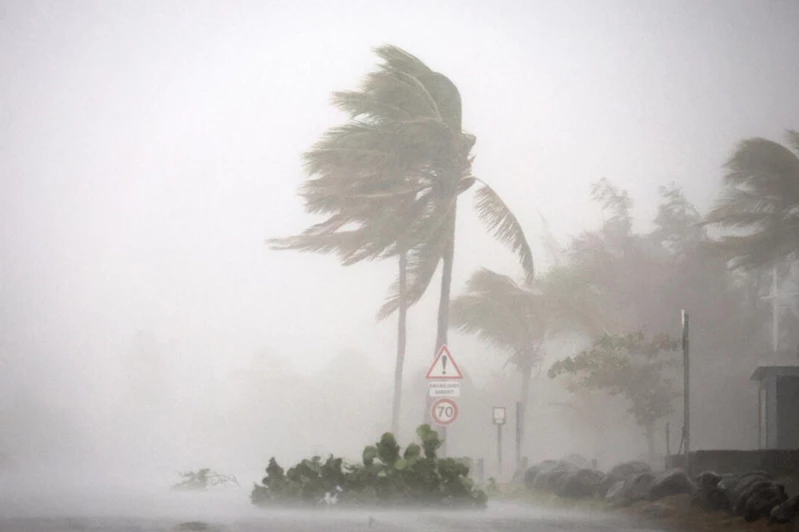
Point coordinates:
pixel 96 510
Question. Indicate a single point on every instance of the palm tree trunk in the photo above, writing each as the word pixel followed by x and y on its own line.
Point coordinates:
pixel 446 285
pixel 527 373
pixel 401 341
pixel 443 304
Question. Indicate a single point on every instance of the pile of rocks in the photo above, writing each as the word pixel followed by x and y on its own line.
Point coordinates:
pixel 753 496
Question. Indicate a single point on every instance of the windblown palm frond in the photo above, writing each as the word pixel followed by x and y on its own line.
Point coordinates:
pixel 519 318
pixel 430 236
pixel 760 202
pixel 499 219
pixel 500 312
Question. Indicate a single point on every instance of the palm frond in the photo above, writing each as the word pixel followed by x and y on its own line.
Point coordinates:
pixel 429 237
pixel 499 219
pixel 765 167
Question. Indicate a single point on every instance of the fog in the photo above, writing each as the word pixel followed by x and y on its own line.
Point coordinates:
pixel 149 149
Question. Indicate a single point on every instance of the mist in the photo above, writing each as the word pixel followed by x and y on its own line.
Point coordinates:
pixel 148 150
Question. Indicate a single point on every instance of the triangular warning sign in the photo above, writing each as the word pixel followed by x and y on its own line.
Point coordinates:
pixel 444 366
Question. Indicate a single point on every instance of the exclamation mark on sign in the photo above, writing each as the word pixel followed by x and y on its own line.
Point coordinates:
pixel 444 364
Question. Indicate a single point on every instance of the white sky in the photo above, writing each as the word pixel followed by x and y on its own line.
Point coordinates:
pixel 148 148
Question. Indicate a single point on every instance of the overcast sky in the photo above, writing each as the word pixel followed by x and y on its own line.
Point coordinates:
pixel 148 148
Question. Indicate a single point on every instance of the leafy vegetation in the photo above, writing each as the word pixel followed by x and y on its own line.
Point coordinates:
pixel 203 479
pixel 629 366
pixel 385 477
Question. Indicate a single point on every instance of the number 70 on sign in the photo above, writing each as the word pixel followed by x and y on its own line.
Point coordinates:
pixel 444 412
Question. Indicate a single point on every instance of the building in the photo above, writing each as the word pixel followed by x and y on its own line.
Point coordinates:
pixel 779 403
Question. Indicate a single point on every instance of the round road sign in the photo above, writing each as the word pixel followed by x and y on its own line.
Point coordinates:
pixel 444 412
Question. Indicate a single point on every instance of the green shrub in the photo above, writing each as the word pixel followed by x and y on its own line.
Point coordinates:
pixel 386 477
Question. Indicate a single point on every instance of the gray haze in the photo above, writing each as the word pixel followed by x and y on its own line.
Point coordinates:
pixel 147 150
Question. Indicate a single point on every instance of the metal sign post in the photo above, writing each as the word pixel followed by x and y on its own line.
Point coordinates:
pixel 499 420
pixel 686 393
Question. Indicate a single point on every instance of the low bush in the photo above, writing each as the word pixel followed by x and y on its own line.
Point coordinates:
pixel 385 477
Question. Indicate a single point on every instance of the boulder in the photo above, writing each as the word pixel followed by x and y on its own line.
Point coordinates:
pixel 622 472
pixel 533 471
pixel 635 488
pixel 578 484
pixel 672 482
pixel 708 496
pixel 548 477
pixel 734 485
pixel 785 512
pixel 763 499
pixel 739 490
pixel 614 493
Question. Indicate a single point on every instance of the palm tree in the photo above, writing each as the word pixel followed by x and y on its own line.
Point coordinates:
pixel 761 200
pixel 519 319
pixel 389 180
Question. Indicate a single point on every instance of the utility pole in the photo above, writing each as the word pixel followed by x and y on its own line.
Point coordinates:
pixel 686 392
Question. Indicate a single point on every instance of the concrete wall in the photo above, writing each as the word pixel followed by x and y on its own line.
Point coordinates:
pixel 777 462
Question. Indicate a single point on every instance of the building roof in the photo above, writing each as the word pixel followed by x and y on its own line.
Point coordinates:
pixel 775 371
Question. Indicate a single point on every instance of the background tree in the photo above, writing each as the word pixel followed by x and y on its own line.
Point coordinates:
pixel 629 366
pixel 519 319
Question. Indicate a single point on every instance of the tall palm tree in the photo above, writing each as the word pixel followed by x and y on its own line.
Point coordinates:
pixel 760 202
pixel 389 180
pixel 519 319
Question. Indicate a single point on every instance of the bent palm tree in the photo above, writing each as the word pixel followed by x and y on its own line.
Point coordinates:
pixel 761 200
pixel 519 319
pixel 389 180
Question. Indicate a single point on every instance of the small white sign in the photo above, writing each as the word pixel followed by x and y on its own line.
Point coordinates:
pixel 499 415
pixel 444 389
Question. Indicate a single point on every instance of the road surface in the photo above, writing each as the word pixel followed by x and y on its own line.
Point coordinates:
pixel 41 509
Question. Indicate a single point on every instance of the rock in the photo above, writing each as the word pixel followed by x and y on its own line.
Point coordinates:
pixel 635 488
pixel 734 486
pixel 763 500
pixel 578 484
pixel 672 482
pixel 614 493
pixel 711 499
pixel 533 471
pixel 622 472
pixel 708 479
pixel 785 512
pixel 548 477
pixel 740 490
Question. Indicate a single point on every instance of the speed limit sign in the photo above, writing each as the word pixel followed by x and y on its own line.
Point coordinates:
pixel 444 412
